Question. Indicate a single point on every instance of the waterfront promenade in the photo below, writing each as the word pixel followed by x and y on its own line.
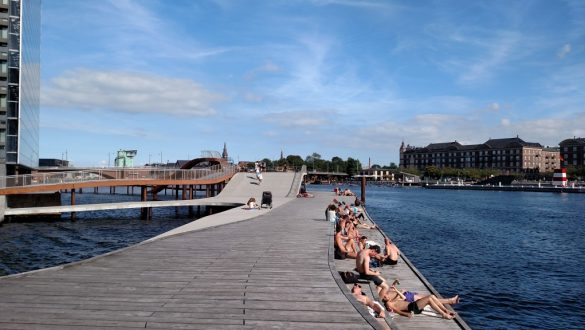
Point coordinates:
pixel 273 270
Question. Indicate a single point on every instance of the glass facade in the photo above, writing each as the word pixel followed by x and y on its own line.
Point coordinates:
pixel 22 61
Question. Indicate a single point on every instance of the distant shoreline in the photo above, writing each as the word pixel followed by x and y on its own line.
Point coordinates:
pixel 529 188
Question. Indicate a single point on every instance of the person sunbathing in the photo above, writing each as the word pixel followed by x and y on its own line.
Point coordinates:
pixel 356 290
pixel 396 302
pixel 411 296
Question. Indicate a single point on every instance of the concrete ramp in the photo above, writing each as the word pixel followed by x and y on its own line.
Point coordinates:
pixel 242 186
pixel 283 185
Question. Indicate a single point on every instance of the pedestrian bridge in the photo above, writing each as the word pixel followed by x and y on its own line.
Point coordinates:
pixel 239 189
pixel 112 177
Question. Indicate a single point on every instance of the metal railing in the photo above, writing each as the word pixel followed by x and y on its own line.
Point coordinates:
pixel 106 174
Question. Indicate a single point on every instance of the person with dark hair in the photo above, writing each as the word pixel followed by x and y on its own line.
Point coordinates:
pixel 356 290
pixel 362 263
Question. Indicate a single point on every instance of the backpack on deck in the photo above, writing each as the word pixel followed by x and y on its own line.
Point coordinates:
pixel 349 277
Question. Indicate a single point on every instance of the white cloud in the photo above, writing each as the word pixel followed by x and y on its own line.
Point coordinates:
pixel 505 122
pixel 566 49
pixel 128 92
pixel 497 52
pixel 299 118
pixel 268 67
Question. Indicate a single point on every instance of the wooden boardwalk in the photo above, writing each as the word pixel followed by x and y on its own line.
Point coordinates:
pixel 267 272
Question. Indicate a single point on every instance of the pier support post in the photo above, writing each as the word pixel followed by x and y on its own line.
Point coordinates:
pixel 145 212
pixel 363 197
pixel 73 203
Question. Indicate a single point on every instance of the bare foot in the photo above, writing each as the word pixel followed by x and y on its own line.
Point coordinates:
pixel 455 300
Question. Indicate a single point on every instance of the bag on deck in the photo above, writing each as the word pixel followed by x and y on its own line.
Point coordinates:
pixel 349 277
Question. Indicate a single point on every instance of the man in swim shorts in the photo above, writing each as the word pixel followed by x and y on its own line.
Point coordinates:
pixel 362 263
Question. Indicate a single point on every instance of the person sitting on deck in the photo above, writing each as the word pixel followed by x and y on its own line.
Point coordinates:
pixel 251 205
pixel 348 192
pixel 362 263
pixel 330 214
pixel 344 250
pixel 397 303
pixel 356 290
pixel 391 255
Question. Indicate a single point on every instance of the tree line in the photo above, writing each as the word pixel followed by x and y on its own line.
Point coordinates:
pixel 315 162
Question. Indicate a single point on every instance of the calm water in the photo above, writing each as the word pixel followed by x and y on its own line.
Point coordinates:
pixel 26 246
pixel 516 259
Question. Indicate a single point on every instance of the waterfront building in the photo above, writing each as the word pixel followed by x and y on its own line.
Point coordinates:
pixel 378 174
pixel 52 162
pixel 510 155
pixel 20 29
pixel 125 158
pixel 573 152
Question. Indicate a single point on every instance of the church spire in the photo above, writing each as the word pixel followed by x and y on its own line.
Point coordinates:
pixel 224 155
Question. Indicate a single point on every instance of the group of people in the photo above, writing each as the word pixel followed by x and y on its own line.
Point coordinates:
pixel 350 243
pixel 343 192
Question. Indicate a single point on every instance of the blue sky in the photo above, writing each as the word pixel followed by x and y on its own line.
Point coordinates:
pixel 339 77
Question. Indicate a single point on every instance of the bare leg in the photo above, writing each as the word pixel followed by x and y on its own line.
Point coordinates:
pixel 445 301
pixel 383 289
pixel 351 250
pixel 428 300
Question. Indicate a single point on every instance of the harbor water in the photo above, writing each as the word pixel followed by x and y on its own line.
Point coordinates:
pixel 515 258
pixel 41 243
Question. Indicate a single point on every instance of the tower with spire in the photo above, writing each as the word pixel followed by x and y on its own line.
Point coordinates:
pixel 224 154
pixel 402 150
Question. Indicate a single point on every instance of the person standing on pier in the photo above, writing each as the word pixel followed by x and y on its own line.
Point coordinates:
pixel 362 263
pixel 258 172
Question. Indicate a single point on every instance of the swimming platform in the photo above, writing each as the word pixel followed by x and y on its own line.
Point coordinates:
pixel 238 269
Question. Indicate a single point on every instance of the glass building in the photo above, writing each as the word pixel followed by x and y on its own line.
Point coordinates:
pixel 20 31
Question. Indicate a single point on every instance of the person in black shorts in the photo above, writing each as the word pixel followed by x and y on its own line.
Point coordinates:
pixel 362 263
pixel 400 306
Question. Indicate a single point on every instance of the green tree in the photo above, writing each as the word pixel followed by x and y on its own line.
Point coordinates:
pixel 337 164
pixel 352 166
pixel 294 160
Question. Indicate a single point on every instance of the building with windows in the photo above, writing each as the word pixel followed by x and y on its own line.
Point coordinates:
pixel 573 152
pixel 510 155
pixel 20 30
pixel 377 174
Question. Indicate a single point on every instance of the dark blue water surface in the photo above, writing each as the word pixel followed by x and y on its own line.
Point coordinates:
pixel 48 242
pixel 516 258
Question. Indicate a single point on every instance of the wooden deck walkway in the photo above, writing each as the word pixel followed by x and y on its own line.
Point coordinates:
pixel 267 272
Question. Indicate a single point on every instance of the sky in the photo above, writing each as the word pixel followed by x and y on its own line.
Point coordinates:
pixel 342 78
